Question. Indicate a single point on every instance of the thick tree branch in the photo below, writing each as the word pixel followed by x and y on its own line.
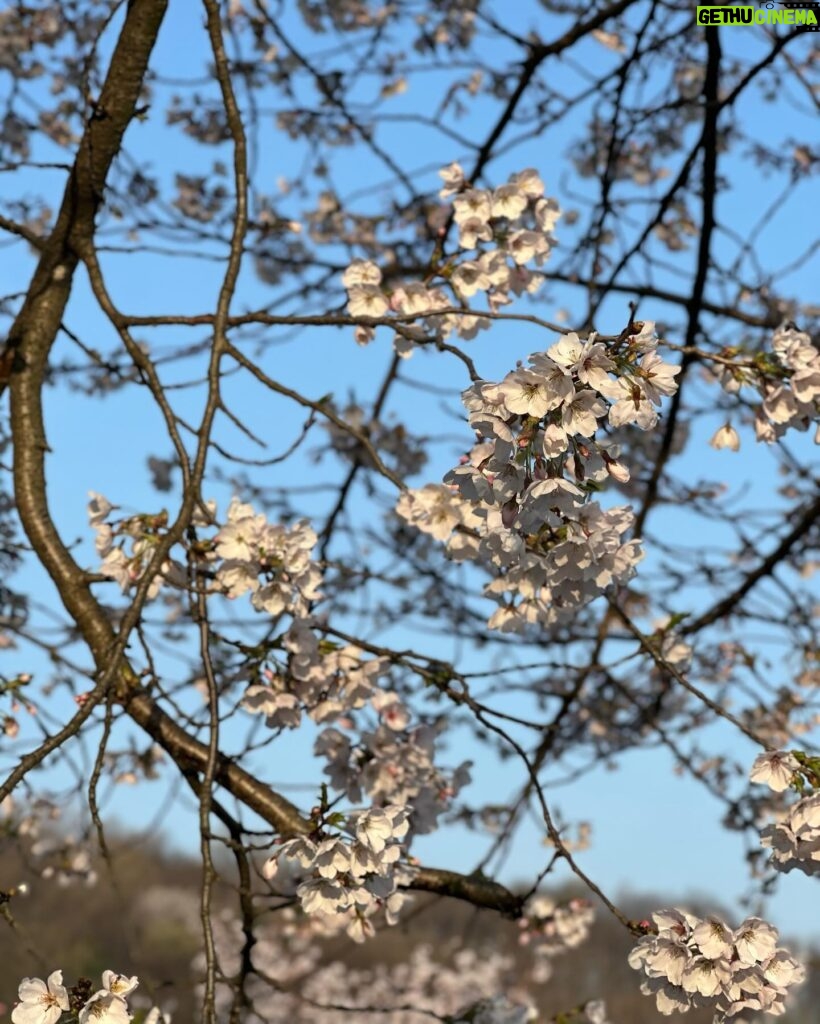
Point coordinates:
pixel 33 334
pixel 35 328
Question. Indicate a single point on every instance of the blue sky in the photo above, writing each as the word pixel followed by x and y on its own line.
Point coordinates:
pixel 652 829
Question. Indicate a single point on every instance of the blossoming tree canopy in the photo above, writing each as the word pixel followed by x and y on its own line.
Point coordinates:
pixel 408 409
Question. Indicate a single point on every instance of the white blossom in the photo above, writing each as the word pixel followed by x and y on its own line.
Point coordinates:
pixel 105 1008
pixel 689 962
pixel 587 359
pixel 367 300
pixel 40 1002
pixel 726 437
pixel 547 214
pixel 595 1012
pixel 529 183
pixel 755 940
pixel 581 413
pixel 475 204
pixel 361 272
pixel 453 180
pixel 775 769
pixel 156 1016
pixel 271 561
pixel 118 984
pixel 795 839
pixel 468 278
pixel 378 826
pixel 473 230
pixel 526 245
pixel 99 508
pixel 434 509
pixel 508 201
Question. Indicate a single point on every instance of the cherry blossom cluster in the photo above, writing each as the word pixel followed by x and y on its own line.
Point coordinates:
pixel 65 859
pixel 520 500
pixel 788 384
pixel 516 214
pixel 546 571
pixel 347 877
pixel 56 854
pixel 270 560
pixel 448 982
pixel 795 838
pixel 692 962
pixel 45 1002
pixel 322 679
pixel 392 763
pixel 508 227
pixel 458 983
pixel 551 928
pixel 127 545
pixel 393 766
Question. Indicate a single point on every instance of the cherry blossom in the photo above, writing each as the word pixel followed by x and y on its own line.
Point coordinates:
pixel 434 509
pixel 795 839
pixel 514 216
pixel 558 550
pixel 509 201
pixel 348 877
pixel 367 300
pixel 361 272
pixel 595 1012
pixel 726 437
pixel 789 396
pixel 271 561
pixel 118 984
pixel 41 1002
pixel 105 1008
pixel 453 179
pixel 776 769
pixel 141 534
pixel 475 204
pixel 550 928
pixel 527 534
pixel 44 1003
pixel 691 962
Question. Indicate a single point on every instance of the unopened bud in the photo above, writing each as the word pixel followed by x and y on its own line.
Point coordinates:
pixel 509 511
pixel 617 470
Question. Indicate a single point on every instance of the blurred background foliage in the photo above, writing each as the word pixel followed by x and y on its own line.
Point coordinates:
pixel 142 916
